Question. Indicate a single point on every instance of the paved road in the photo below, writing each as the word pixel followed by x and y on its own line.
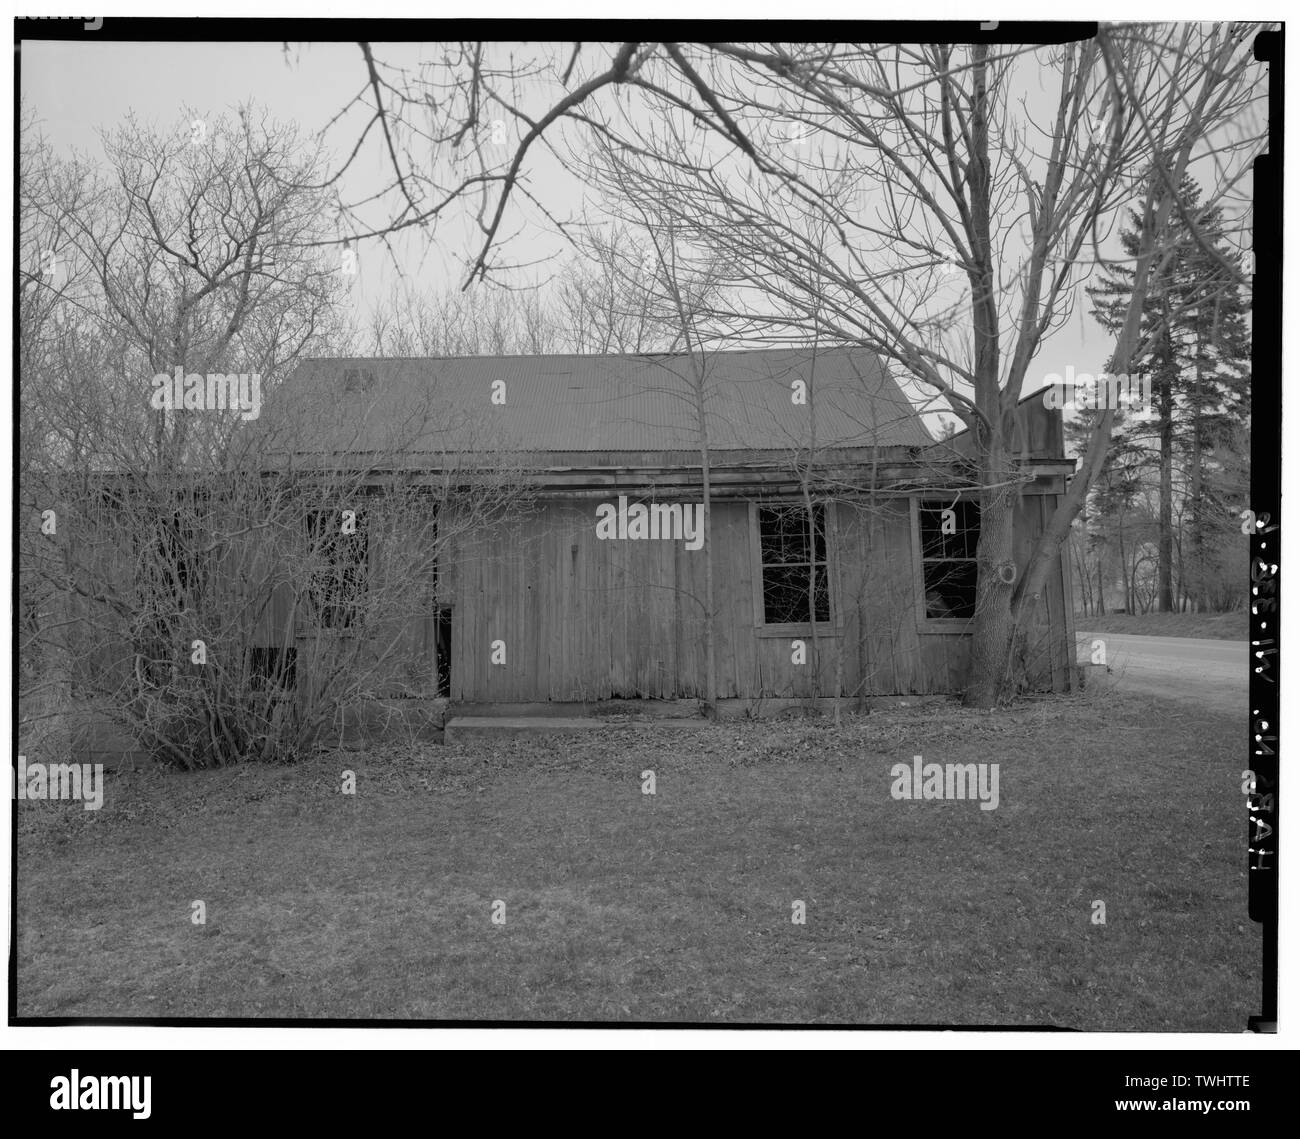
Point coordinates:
pixel 1205 672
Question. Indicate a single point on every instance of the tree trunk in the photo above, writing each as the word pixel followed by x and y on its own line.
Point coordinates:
pixel 994 628
pixel 1197 589
pixel 1080 560
pixel 994 624
pixel 810 516
pixel 710 663
pixel 1123 570
pixel 1165 602
pixel 1156 214
pixel 53 710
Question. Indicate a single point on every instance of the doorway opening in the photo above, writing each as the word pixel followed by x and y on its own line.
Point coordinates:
pixel 442 651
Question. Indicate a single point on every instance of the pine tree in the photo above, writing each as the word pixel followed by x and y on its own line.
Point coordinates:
pixel 1192 435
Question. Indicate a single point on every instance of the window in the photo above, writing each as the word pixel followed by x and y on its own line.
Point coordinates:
pixel 949 534
pixel 169 567
pixel 358 379
pixel 787 562
pixel 337 582
pixel 273 668
pixel 152 662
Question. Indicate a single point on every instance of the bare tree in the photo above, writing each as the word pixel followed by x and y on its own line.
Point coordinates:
pixel 236 614
pixel 956 170
pixel 195 251
pixel 200 249
pixel 669 287
pixel 483 321
pixel 606 309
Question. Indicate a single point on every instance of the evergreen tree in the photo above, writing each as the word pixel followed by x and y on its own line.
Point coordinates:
pixel 1193 437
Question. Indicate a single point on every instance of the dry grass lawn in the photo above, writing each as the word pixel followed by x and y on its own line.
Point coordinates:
pixel 621 906
pixel 1212 626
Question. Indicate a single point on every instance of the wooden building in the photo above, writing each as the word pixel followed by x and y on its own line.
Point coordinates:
pixel 593 585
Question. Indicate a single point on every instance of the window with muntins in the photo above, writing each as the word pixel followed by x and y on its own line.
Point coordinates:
pixel 794 566
pixel 949 535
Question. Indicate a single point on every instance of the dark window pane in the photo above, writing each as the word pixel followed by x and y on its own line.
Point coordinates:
pixel 950 589
pixel 783 534
pixel 338 585
pixel 785 595
pixel 171 568
pixel 784 550
pixel 822 595
pixel 780 541
pixel 964 522
pixel 273 667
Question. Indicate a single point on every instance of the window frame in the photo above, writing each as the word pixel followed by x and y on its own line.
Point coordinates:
pixel 926 624
pixel 834 625
pixel 316 609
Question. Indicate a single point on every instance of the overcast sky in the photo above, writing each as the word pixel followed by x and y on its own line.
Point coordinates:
pixel 77 88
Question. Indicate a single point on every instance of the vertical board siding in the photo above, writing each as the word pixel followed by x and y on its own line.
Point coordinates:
pixel 626 619
pixel 586 619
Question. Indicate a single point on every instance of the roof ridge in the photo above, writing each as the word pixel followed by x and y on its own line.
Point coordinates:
pixel 596 355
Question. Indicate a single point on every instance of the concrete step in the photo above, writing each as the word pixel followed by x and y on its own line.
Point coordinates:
pixel 625 708
pixel 479 727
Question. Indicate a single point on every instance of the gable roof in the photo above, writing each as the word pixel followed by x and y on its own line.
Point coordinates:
pixel 571 403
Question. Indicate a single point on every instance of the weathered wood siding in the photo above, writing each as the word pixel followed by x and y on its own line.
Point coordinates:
pixel 589 619
pixel 582 618
pixel 396 657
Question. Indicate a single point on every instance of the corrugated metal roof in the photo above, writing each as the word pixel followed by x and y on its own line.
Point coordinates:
pixel 588 403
